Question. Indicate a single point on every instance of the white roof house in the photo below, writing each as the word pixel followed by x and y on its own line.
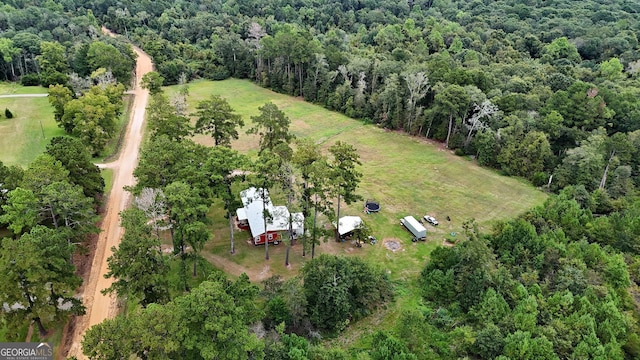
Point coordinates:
pixel 348 224
pixel 253 212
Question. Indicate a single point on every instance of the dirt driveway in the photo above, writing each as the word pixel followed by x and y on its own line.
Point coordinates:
pixel 100 307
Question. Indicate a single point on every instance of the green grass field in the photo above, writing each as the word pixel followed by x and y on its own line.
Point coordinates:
pixel 7 88
pixel 27 134
pixel 22 137
pixel 408 175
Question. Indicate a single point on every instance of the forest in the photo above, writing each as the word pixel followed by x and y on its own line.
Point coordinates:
pixel 545 90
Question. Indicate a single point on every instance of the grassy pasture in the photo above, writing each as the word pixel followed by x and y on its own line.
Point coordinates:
pixel 21 138
pixel 408 175
pixel 10 88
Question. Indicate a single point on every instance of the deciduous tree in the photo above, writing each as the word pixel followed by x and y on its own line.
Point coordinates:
pixel 75 157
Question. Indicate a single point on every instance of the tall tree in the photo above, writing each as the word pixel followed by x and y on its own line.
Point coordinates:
pixel 272 126
pixel 59 96
pixel 44 170
pixel 309 160
pixel 216 117
pixel 68 207
pixel 153 82
pixel 225 166
pixel 20 211
pixel 94 117
pixel 345 177
pixel 154 205
pixel 109 57
pixel 137 265
pixel 164 119
pixel 53 64
pixel 211 322
pixel 417 86
pixel 186 207
pixel 196 234
pixel 453 100
pixel 305 155
pixel 75 157
pixel 616 146
pixel 266 170
pixel 38 282
pixel 9 54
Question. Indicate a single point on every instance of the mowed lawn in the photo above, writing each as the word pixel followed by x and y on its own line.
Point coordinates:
pixel 408 175
pixel 21 138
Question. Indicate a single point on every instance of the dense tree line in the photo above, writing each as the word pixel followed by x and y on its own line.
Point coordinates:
pixel 42 44
pixel 517 86
pixel 50 207
pixel 545 285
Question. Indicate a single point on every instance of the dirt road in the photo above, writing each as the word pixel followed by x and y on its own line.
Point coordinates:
pixel 100 307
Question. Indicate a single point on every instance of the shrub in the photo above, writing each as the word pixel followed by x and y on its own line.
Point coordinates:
pixel 540 179
pixel 30 80
pixel 8 114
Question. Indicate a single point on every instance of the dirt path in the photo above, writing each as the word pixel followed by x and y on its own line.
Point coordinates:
pixel 100 307
pixel 23 95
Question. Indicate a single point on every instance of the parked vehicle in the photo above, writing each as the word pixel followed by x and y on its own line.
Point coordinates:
pixel 419 232
pixel 431 220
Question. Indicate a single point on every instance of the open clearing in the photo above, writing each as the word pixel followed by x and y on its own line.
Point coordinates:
pixel 22 136
pixel 408 175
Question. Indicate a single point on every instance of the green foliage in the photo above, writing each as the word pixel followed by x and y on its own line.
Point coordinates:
pixel 209 322
pixel 92 117
pixel 164 119
pixel 53 64
pixel 137 265
pixel 338 288
pixel 38 279
pixel 76 159
pixel 20 211
pixel 385 346
pixel 59 96
pixel 217 118
pixel 106 56
pixel 272 126
pixel 545 294
pixel 153 82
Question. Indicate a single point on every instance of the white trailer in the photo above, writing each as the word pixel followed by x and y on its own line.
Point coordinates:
pixel 419 232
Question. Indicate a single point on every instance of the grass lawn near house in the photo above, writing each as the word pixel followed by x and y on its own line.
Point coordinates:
pixel 407 175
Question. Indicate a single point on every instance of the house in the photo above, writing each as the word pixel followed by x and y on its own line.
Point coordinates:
pixel 278 223
pixel 348 224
